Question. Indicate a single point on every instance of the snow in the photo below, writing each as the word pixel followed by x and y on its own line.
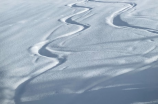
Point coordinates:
pixel 78 52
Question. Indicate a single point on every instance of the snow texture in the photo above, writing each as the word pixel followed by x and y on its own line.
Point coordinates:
pixel 78 52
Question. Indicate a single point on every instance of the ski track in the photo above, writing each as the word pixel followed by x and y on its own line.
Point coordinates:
pixel 59 57
pixel 116 21
pixel 40 50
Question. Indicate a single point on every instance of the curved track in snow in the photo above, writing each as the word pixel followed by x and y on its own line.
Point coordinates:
pixel 40 50
pixel 116 21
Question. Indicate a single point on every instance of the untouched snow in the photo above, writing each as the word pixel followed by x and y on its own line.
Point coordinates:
pixel 78 52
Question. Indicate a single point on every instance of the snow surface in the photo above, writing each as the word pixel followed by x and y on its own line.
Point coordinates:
pixel 78 52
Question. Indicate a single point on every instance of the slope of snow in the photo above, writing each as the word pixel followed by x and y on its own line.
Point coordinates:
pixel 78 52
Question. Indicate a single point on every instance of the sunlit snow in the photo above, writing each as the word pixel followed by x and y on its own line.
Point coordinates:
pixel 78 51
